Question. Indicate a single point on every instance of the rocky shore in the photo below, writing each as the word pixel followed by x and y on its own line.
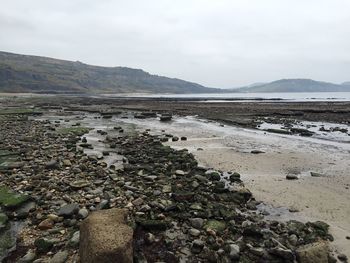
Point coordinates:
pixel 178 210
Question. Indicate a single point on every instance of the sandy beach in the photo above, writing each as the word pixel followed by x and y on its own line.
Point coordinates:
pixel 228 148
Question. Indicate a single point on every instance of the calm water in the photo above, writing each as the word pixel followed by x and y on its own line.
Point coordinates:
pixel 305 96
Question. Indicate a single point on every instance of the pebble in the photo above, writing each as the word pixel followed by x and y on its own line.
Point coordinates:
pixel 197 246
pixel 68 210
pixel 59 257
pixel 83 213
pixel 28 257
pixel 74 241
pixel 194 232
pixel 234 251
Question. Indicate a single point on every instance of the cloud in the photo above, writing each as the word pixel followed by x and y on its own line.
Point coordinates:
pixel 222 43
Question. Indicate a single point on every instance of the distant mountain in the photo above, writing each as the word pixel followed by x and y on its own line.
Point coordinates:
pixel 347 83
pixel 295 85
pixel 22 73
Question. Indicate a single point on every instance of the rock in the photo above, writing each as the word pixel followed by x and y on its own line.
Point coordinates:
pixel 46 224
pixel 74 241
pixel 10 199
pixel 213 175
pixel 315 252
pixel 3 220
pixel 165 117
pixel 59 257
pixel 343 257
pixel 157 225
pixel 175 139
pixel 138 201
pixel 68 210
pixel 197 246
pixel 28 257
pixel 53 164
pixel 166 189
pixel 216 225
pixel 105 236
pixel 292 177
pixel 235 177
pixel 183 196
pixel 54 218
pixel 150 238
pixel 197 222
pixel 23 211
pixel 256 152
pixel 286 254
pixel 183 138
pixel 314 174
pixel 83 213
pixel 67 162
pixel 194 232
pixel 234 251
pixel 179 172
pixel 43 245
pixel 79 184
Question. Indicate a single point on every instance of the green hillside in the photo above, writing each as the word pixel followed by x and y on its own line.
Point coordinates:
pixel 22 73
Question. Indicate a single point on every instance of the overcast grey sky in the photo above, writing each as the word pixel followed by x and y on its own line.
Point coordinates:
pixel 218 43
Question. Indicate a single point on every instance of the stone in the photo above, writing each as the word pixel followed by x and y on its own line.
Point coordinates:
pixel 28 257
pixel 53 164
pixel 314 252
pixel 183 196
pixel 138 201
pixel 105 237
pixel 74 241
pixel 67 162
pixel 68 210
pixel 343 257
pixel 166 189
pixel 286 254
pixel 23 211
pixel 216 225
pixel 83 213
pixel 234 251
pixel 59 257
pixel 197 222
pixel 3 220
pixel 157 225
pixel 194 232
pixel 179 172
pixel 43 245
pixel 79 184
pixel 256 151
pixel 46 224
pixel 292 177
pixel 197 246
pixel 314 174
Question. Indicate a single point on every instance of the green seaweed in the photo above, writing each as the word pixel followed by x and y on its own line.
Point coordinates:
pixel 10 199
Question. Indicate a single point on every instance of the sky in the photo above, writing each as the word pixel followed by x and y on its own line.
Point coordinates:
pixel 217 43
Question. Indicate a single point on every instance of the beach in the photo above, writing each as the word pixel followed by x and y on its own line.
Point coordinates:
pixel 314 158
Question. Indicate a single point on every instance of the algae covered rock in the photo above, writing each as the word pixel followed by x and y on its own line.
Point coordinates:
pixel 9 199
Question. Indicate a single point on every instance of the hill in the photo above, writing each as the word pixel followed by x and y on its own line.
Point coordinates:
pixel 23 73
pixel 295 85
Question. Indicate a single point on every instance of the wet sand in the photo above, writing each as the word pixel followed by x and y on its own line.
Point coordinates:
pixel 316 198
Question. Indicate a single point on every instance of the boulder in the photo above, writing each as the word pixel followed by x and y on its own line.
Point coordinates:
pixel 315 252
pixel 105 237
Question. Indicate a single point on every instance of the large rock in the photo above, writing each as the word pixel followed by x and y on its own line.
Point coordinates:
pixel 315 252
pixel 105 237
